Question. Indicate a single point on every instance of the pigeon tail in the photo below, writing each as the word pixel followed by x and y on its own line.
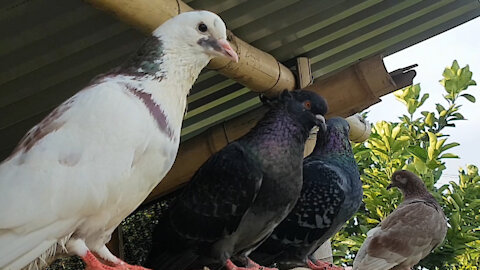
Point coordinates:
pixel 167 252
pixel 31 250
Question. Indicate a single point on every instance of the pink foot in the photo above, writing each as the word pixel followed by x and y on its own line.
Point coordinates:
pixel 319 265
pixel 251 265
pixel 94 264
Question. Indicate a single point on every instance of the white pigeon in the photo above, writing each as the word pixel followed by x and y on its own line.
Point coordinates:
pixel 77 174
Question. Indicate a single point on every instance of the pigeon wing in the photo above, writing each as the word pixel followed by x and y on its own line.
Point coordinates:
pixel 319 204
pixel 220 193
pixel 413 230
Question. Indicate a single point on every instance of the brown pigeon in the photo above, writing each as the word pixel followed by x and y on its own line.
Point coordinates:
pixel 409 233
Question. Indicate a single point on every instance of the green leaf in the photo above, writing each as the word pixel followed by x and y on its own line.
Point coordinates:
pixel 418 152
pixel 429 119
pixel 455 66
pixel 448 73
pixel 439 107
pixel 452 88
pixel 372 221
pixel 423 99
pixel 440 144
pixel 420 166
pixel 403 138
pixel 469 97
pixel 395 131
pixel 348 242
pixel 458 116
pixel 433 143
pixel 379 212
pixel 411 106
pixel 449 145
pixel 364 228
pixel 448 155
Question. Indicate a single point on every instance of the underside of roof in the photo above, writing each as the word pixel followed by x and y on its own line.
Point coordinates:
pixel 51 49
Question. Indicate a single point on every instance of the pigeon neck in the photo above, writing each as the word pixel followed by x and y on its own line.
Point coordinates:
pixel 146 61
pixel 418 191
pixel 427 198
pixel 336 143
pixel 182 64
pixel 281 125
pixel 167 62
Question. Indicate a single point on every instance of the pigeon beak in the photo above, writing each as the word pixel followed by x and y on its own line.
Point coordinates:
pixel 227 50
pixel 218 47
pixel 321 123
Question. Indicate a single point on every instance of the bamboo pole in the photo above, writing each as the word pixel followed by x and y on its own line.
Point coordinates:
pixel 256 69
pixel 360 128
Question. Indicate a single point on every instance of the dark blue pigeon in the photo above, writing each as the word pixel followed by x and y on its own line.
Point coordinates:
pixel 238 196
pixel 331 194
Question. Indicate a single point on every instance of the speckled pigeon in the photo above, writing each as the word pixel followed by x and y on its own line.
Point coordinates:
pixel 415 228
pixel 96 157
pixel 239 195
pixel 331 194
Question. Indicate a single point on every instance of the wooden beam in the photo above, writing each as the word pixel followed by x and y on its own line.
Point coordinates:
pixel 256 69
pixel 347 92
pixel 304 72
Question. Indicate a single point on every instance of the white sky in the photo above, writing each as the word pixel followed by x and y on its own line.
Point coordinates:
pixel 432 56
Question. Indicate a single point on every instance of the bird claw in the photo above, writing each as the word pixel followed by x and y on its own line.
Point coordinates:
pixel 94 264
pixel 251 265
pixel 320 265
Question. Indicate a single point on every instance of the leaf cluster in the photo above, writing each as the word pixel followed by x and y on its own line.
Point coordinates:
pixel 419 144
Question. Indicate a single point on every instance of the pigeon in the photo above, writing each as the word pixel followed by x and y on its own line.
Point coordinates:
pixel 74 176
pixel 238 196
pixel 331 194
pixel 414 229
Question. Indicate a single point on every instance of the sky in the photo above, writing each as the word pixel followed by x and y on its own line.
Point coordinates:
pixel 432 56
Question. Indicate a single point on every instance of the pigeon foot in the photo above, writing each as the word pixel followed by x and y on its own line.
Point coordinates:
pixel 251 265
pixel 95 264
pixel 320 265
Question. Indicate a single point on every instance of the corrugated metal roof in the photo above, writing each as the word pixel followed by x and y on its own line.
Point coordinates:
pixel 50 49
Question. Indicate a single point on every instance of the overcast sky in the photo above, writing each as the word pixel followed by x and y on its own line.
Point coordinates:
pixel 432 56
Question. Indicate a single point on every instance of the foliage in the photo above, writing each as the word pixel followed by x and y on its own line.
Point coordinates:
pixel 419 144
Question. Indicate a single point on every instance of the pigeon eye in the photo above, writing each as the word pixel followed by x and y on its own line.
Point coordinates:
pixel 202 28
pixel 307 104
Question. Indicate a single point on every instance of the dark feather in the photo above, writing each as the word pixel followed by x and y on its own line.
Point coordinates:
pixel 331 194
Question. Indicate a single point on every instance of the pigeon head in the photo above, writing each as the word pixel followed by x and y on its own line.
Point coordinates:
pixel 336 136
pixel 338 126
pixel 203 32
pixel 409 184
pixel 308 107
